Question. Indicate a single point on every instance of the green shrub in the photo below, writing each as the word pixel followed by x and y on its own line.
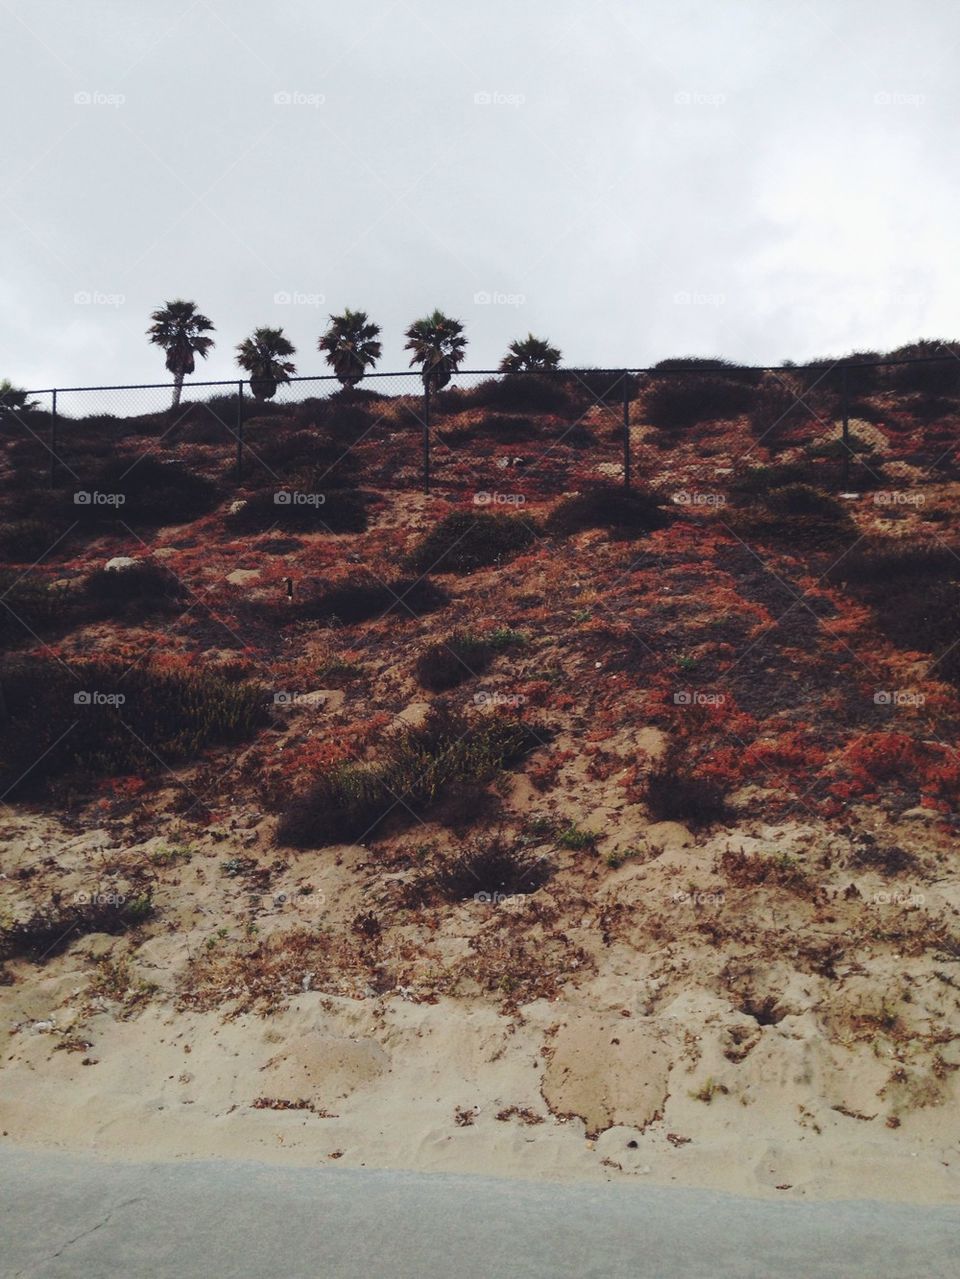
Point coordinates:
pixel 939 377
pixel 336 511
pixel 817 532
pixel 307 460
pixel 467 540
pixel 153 492
pixel 783 410
pixel 28 605
pixel 460 656
pixel 680 401
pixel 858 370
pixel 758 480
pixel 507 427
pixel 712 366
pixel 140 588
pixel 625 511
pixel 486 870
pixel 454 660
pixel 881 563
pixel 674 792
pixel 604 386
pixel 521 393
pixel 29 540
pixel 51 929
pixel 346 422
pixel 915 595
pixel 351 802
pixel 405 599
pixel 802 499
pixel 67 723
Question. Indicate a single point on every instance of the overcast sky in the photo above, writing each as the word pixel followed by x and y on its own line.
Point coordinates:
pixel 760 179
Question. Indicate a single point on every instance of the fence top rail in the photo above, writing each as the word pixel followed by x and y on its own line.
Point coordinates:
pixel 819 366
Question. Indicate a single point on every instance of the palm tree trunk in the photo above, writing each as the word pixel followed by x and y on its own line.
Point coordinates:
pixel 177 389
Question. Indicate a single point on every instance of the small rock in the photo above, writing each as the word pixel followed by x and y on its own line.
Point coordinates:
pixel 119 563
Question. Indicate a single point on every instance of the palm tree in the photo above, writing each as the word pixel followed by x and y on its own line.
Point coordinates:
pixel 179 327
pixel 437 343
pixel 262 356
pixel 532 355
pixel 350 345
pixel 13 401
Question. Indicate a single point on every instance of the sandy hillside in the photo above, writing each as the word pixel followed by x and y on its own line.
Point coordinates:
pixel 711 932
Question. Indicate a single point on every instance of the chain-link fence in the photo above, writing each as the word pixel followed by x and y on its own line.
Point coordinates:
pixel 689 428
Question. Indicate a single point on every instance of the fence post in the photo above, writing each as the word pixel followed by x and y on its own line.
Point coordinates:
pixel 53 439
pixel 426 436
pixel 239 431
pixel 845 417
pixel 626 432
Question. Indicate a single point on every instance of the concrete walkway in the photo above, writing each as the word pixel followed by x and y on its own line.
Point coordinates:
pixel 63 1217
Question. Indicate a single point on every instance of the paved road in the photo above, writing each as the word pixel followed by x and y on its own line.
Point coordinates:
pixel 62 1217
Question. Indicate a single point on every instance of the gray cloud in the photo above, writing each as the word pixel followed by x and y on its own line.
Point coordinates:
pixel 760 179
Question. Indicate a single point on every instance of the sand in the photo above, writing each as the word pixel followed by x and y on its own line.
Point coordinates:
pixel 637 1071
